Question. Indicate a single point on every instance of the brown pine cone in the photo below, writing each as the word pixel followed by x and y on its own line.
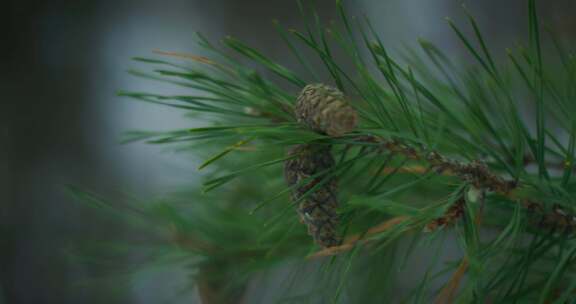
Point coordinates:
pixel 323 109
pixel 318 210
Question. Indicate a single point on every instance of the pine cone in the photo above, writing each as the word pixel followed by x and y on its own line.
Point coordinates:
pixel 323 109
pixel 318 209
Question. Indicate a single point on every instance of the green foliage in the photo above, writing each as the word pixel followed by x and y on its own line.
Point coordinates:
pixel 242 219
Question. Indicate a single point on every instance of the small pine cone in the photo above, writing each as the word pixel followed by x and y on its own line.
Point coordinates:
pixel 318 210
pixel 323 109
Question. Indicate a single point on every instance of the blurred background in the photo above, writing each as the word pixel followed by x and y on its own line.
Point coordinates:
pixel 61 123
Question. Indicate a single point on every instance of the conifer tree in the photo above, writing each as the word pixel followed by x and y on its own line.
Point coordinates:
pixel 337 185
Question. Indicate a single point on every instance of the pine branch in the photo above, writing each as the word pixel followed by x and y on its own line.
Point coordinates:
pixel 449 291
pixel 476 174
pixel 440 125
pixel 351 241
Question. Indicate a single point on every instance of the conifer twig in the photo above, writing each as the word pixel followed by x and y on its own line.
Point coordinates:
pixel 352 240
pixel 196 58
pixel 449 291
pixel 477 174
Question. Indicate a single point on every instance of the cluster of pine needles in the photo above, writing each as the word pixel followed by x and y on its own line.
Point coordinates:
pixel 477 155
